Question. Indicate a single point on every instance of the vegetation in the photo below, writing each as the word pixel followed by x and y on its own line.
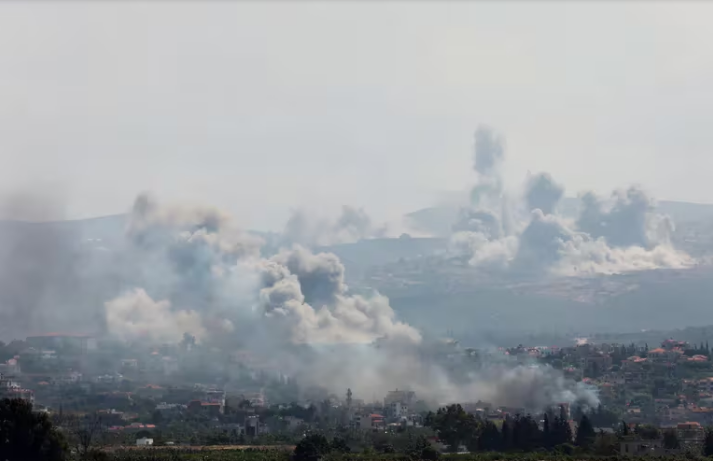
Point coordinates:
pixel 28 435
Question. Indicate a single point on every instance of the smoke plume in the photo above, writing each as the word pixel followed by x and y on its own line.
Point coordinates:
pixel 543 193
pixel 620 235
pixel 193 270
pixel 352 225
pixel 135 316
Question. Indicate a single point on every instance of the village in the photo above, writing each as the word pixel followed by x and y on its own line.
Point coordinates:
pixel 157 395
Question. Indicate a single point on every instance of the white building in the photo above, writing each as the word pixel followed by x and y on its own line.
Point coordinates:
pixel 396 410
pixel 144 442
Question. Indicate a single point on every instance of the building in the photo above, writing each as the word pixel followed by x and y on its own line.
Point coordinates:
pixel 637 447
pixel 170 408
pixel 11 367
pixel 396 410
pixel 129 364
pixel 11 389
pixel 368 421
pixel 253 426
pixel 691 434
pixel 560 408
pixel 144 442
pixel 63 341
pixel 215 397
pixel 404 397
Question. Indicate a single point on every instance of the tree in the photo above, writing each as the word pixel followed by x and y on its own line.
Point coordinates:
pixel 585 433
pixel 708 442
pixel 421 449
pixel 623 429
pixel 27 435
pixel 312 448
pixel 546 432
pixel 560 430
pixel 339 445
pixel 647 431
pixel 384 447
pixel 454 426
pixel 143 435
pixel 605 444
pixel 489 439
pixel 506 436
pixel 83 432
pixel 157 417
pixel 526 434
pixel 670 440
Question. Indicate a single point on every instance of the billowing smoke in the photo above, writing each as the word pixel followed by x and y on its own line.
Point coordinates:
pixel 308 292
pixel 195 273
pixel 135 316
pixel 352 225
pixel 619 235
pixel 531 387
pixel 543 193
pixel 629 220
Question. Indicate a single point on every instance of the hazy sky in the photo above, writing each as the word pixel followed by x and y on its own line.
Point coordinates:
pixel 260 107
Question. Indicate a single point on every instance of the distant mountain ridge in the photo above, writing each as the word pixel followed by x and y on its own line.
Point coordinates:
pixel 438 220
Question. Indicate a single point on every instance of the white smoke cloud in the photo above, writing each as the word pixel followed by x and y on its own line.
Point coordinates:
pixel 296 280
pixel 135 316
pixel 207 278
pixel 622 234
pixel 352 225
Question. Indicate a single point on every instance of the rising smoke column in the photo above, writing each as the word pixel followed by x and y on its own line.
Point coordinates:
pixel 625 234
pixel 543 193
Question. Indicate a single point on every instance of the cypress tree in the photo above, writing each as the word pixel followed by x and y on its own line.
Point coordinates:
pixel 585 433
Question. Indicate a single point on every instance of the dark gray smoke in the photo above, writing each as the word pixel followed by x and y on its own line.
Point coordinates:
pixel 543 193
pixel 541 243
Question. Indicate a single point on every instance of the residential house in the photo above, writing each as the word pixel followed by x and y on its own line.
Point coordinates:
pixel 11 367
pixel 405 397
pixel 634 446
pixel 395 410
pixel 691 434
pixel 253 426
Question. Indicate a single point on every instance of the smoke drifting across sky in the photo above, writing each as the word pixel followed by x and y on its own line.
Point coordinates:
pixel 201 275
pixel 617 235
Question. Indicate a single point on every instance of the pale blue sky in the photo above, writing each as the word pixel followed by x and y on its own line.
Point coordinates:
pixel 260 107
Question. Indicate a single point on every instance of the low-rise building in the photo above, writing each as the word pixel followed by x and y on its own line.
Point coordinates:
pixel 691 434
pixel 144 442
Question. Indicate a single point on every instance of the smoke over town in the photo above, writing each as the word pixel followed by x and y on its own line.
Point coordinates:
pixel 202 276
pixel 181 271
